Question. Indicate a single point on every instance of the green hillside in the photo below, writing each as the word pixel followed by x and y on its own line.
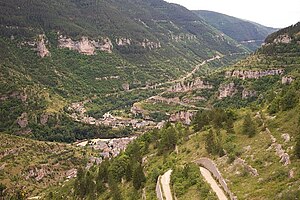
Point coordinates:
pixel 58 52
pixel 252 137
pixel 29 167
pixel 165 87
pixel 248 33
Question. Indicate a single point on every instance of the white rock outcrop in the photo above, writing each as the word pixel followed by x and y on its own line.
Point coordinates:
pixel 86 46
pixel 41 48
pixel 284 39
pixel 286 80
pixel 123 41
pixel 253 74
pixel 150 44
pixel 23 120
pixel 227 90
pixel 248 94
pixel 189 86
pixel 182 116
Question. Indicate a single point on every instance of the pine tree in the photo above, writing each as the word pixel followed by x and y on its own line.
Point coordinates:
pixel 248 127
pixel 138 177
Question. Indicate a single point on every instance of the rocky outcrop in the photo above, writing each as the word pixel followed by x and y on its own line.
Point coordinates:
pixel 38 174
pixel 182 116
pixel 41 47
pixel 286 80
pixel 107 78
pixel 126 86
pixel 227 90
pixel 189 86
pixel 23 120
pixel 123 41
pixel 182 37
pixel 253 74
pixel 284 157
pixel 286 137
pixel 19 95
pixel 160 99
pixel 150 44
pixel 137 109
pixel 248 94
pixel 44 118
pixel 86 46
pixel 247 167
pixel 284 39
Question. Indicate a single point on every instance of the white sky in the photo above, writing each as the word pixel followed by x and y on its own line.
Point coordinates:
pixel 273 13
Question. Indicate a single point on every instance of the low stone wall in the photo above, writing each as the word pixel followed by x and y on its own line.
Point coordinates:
pixel 210 166
pixel 158 190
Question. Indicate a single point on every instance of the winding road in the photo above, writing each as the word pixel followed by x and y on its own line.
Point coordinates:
pixel 165 183
pixel 213 183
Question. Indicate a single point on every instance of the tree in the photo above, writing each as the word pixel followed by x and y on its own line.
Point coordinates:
pixel 289 100
pixel 113 186
pixel 213 143
pixel 168 140
pixel 248 126
pixel 79 185
pixel 138 177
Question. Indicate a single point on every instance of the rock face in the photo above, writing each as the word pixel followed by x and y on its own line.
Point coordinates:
pixel 182 116
pixel 86 46
pixel 44 118
pixel 248 94
pixel 160 99
pixel 23 120
pixel 123 41
pixel 227 90
pixel 41 47
pixel 284 157
pixel 247 167
pixel 150 44
pixel 126 86
pixel 252 74
pixel 286 80
pixel 286 137
pixel 183 37
pixel 284 39
pixel 186 87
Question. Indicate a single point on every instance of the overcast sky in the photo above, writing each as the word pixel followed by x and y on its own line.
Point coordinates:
pixel 274 13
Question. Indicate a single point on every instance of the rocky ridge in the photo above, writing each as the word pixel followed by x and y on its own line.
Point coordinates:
pixel 41 47
pixel 85 45
pixel 227 90
pixel 189 86
pixel 253 74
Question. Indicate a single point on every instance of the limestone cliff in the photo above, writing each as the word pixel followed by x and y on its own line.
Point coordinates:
pixel 182 116
pixel 123 41
pixel 86 46
pixel 286 80
pixel 284 39
pixel 253 74
pixel 150 44
pixel 189 86
pixel 248 93
pixel 227 90
pixel 41 47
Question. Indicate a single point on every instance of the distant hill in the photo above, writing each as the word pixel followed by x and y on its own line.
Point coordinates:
pixel 248 33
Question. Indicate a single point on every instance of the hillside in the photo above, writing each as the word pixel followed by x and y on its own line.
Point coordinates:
pixel 247 33
pixel 55 53
pixel 29 167
pixel 248 129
